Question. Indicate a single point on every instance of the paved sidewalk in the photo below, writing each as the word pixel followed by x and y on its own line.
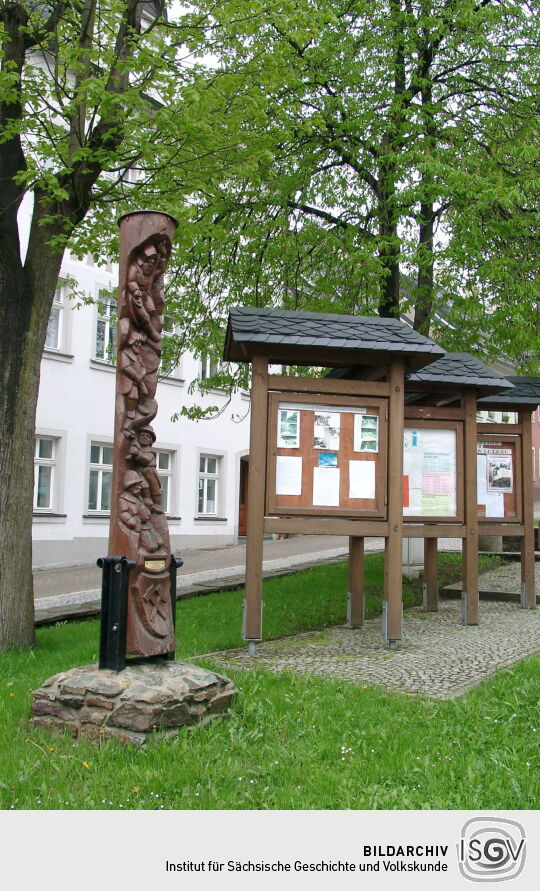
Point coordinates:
pixel 438 657
pixel 76 591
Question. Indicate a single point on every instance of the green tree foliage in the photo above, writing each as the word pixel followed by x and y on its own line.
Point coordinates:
pixel 88 91
pixel 327 153
pixel 390 165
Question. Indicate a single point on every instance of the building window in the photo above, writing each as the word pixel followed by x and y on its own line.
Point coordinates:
pixel 164 462
pixel 208 485
pixel 55 325
pixel 169 364
pixel 131 175
pixel 99 488
pixel 106 328
pixel 44 467
pixel 209 367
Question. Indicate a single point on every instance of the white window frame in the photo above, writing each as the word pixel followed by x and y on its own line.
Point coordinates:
pixel 57 309
pixel 131 175
pixel 209 367
pixel 169 475
pixel 60 307
pixel 109 332
pixel 45 462
pixel 218 477
pixel 175 373
pixel 100 468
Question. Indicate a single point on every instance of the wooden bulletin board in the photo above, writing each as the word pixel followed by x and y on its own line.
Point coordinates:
pixel 433 481
pixel 499 477
pixel 327 456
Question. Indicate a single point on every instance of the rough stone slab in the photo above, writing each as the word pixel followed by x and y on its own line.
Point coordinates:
pixel 438 657
pixel 146 700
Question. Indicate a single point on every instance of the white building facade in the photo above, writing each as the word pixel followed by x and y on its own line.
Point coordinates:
pixel 199 462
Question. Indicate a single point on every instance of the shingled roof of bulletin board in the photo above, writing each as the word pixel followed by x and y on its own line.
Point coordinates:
pixel 324 339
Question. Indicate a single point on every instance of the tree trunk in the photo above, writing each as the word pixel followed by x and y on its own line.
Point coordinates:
pixel 24 313
pixel 17 373
pixel 389 256
pixel 392 144
pixel 389 250
pixel 425 281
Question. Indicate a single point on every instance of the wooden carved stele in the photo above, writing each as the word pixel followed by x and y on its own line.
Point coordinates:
pixel 138 528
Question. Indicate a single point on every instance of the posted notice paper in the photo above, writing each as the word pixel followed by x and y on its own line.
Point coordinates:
pixel 361 479
pixel 366 433
pixel 493 501
pixel 288 475
pixel 326 486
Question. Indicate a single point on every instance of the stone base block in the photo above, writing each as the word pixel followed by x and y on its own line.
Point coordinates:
pixel 146 700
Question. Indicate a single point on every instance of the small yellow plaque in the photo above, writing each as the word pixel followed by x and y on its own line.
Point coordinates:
pixel 155 565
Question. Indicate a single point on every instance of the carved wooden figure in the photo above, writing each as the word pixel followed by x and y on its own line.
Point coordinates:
pixel 138 528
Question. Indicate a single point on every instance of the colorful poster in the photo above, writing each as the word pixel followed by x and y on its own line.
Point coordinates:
pixel 288 429
pixel 366 433
pixel 429 466
pixel 326 430
pixel 434 505
pixel 405 491
pixel 500 473
pixel 327 459
pixel 288 475
pixel 495 477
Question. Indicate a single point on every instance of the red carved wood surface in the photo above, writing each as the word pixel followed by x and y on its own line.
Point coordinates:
pixel 138 527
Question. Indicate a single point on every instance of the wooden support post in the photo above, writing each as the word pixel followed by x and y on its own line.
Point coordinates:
pixel 252 630
pixel 431 588
pixel 470 543
pixel 393 554
pixel 528 593
pixel 355 612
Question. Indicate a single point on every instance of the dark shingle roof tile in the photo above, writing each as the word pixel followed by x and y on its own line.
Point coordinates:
pixel 356 335
pixel 525 392
pixel 460 369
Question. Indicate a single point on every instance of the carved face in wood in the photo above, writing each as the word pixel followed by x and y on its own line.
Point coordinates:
pixel 135 342
pixel 149 260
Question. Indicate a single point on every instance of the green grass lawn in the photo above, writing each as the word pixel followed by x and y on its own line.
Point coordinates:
pixel 289 741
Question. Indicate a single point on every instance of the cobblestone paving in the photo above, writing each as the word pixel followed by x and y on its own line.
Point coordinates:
pixel 438 656
pixel 504 578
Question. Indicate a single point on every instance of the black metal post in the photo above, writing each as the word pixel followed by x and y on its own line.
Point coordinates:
pixel 114 598
pixel 176 563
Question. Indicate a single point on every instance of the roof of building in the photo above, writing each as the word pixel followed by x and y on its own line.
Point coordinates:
pixel 525 393
pixel 324 339
pixel 458 370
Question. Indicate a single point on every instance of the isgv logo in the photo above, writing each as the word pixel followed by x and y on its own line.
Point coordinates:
pixel 491 849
